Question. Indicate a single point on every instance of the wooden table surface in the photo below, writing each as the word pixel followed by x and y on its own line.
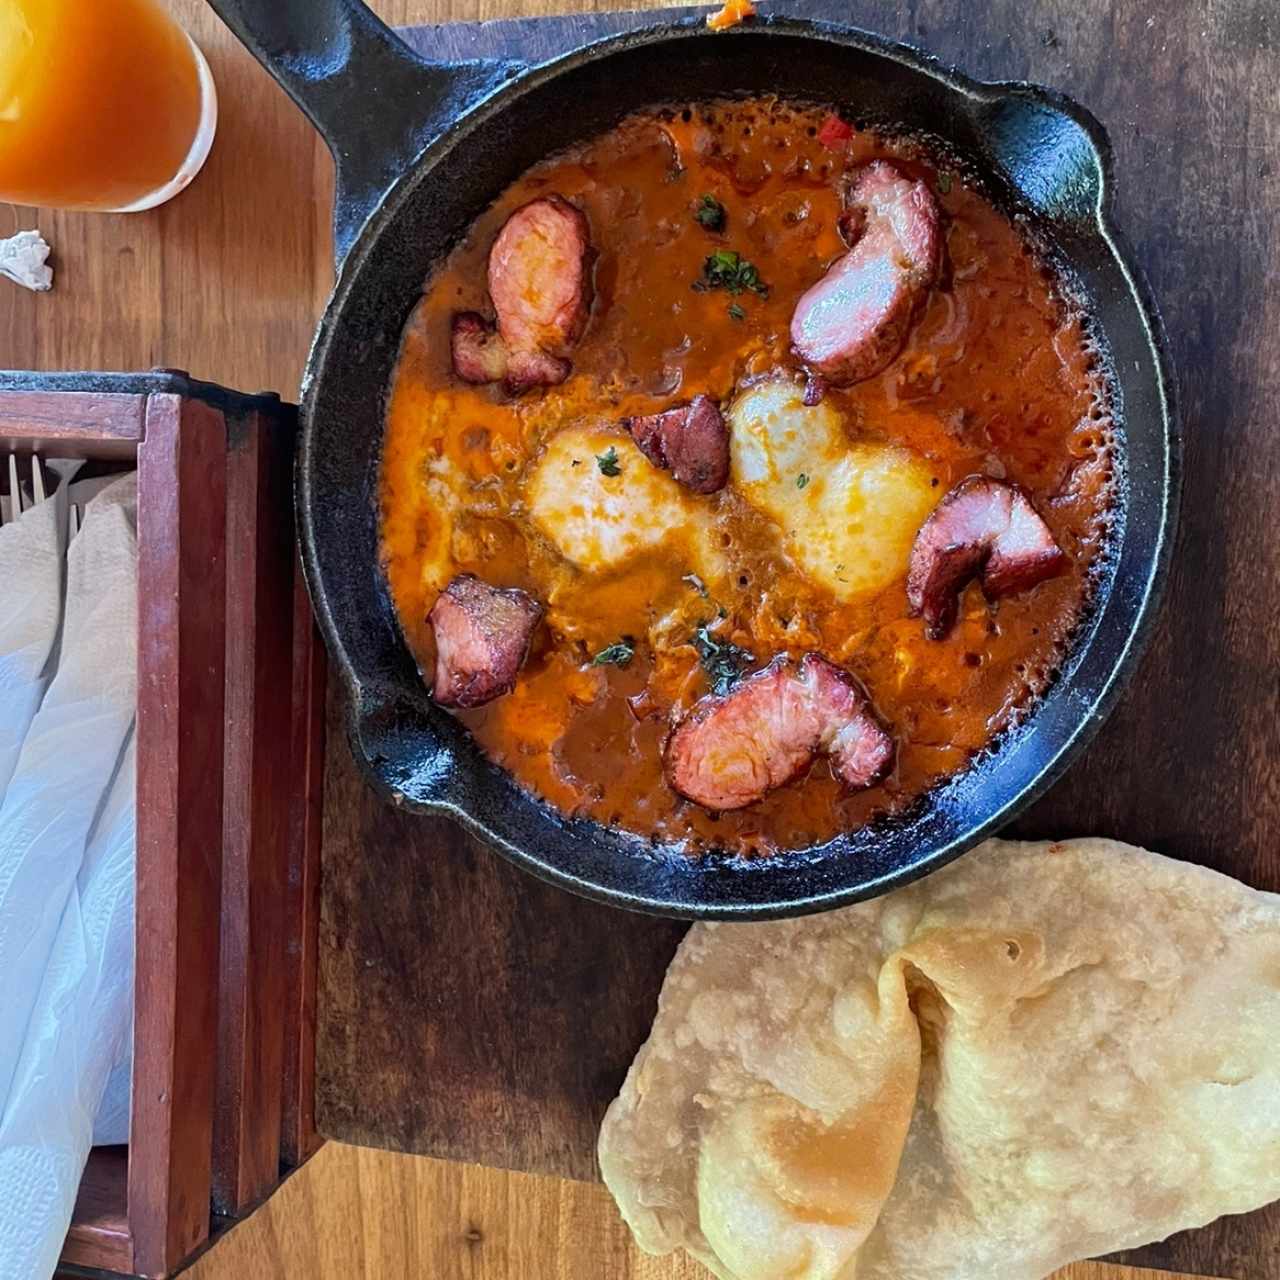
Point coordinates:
pixel 357 1214
pixel 227 281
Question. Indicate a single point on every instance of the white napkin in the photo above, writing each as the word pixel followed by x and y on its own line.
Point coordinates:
pixel 31 608
pixel 79 1031
pixel 68 758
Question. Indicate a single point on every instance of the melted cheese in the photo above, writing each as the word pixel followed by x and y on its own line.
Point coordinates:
pixel 602 522
pixel 847 513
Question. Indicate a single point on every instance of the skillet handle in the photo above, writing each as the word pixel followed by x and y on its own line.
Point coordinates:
pixel 375 102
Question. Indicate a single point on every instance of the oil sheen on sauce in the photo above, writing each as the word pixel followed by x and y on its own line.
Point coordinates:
pixel 999 377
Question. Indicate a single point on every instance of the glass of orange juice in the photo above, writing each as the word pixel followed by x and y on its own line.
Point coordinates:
pixel 104 104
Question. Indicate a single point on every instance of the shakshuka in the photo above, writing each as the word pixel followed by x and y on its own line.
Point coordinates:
pixel 745 473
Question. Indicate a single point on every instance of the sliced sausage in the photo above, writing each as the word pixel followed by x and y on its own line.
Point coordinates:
pixel 985 529
pixel 1024 555
pixel 540 283
pixel 479 354
pixel 858 746
pixel 855 320
pixel 731 750
pixel 482 636
pixel 691 440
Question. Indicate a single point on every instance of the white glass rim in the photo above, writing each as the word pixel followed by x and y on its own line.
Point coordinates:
pixel 201 144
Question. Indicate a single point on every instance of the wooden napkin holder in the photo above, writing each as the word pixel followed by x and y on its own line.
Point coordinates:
pixel 230 736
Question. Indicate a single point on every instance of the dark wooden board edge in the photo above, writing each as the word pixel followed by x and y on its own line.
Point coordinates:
pixel 471 1012
pixel 299 1139
pixel 181 634
pixel 259 655
pixel 534 40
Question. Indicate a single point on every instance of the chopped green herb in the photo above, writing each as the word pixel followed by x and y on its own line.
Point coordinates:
pixel 697 584
pixel 944 183
pixel 710 213
pixel 608 462
pixel 727 270
pixel 736 311
pixel 801 480
pixel 616 655
pixel 723 662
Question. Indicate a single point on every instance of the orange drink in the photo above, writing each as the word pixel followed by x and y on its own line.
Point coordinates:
pixel 104 104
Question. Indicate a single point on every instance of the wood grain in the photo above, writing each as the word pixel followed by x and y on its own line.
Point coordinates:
pixel 181 638
pixel 355 1214
pixel 298 1137
pixel 256 802
pixel 466 932
pixel 110 424
pixel 99 1234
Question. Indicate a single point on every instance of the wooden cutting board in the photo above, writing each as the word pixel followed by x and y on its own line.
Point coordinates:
pixel 470 1012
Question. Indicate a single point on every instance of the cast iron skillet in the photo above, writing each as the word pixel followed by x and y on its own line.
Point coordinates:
pixel 421 149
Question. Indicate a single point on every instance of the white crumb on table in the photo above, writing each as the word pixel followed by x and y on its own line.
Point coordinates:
pixel 23 259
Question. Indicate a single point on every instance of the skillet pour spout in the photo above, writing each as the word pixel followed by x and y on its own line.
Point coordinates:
pixel 422 148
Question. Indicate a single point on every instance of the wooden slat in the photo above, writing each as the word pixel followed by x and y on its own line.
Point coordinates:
pixel 89 425
pixel 99 1234
pixel 95 415
pixel 259 654
pixel 299 1139
pixel 181 634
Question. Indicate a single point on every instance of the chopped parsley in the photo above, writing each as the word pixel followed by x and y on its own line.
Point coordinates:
pixel 801 480
pixel 616 655
pixel 710 214
pixel 723 662
pixel 944 183
pixel 736 311
pixel 608 462
pixel 728 270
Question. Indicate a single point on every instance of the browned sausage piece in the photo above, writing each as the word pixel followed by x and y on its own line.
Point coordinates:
pixel 855 320
pixel 858 746
pixel 482 636
pixel 1023 555
pixel 540 283
pixel 731 750
pixel 983 529
pixel 692 440
pixel 479 354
